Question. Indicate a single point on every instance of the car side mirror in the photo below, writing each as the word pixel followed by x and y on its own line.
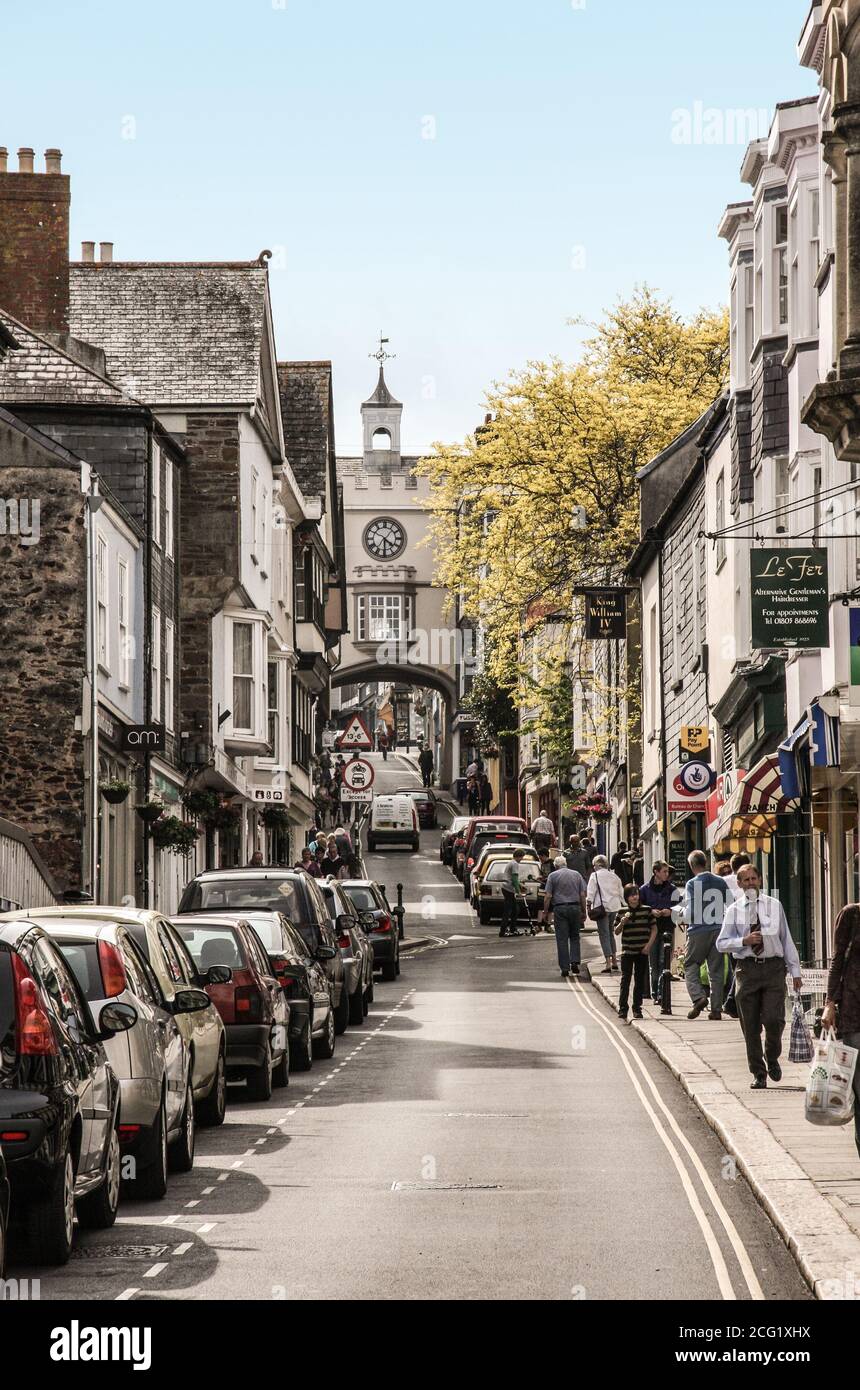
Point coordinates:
pixel 344 922
pixel 326 952
pixel 115 1018
pixel 368 921
pixel 217 975
pixel 190 1001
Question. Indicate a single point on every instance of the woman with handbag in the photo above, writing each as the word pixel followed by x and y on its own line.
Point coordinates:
pixel 605 899
pixel 842 1009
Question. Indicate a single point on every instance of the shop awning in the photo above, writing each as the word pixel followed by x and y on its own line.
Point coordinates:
pixel 791 750
pixel 748 815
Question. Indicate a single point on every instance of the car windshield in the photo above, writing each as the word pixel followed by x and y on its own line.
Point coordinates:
pixel 527 871
pixel 363 898
pixel 7 1012
pixel 269 931
pixel 502 836
pixel 211 945
pixel 232 894
pixel 82 958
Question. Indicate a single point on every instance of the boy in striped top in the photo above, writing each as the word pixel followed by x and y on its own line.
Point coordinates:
pixel 638 931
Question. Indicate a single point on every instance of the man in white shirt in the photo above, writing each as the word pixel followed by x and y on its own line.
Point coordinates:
pixel 756 932
pixel 543 831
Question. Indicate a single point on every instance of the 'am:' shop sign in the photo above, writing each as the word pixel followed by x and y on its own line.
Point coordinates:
pixel 790 598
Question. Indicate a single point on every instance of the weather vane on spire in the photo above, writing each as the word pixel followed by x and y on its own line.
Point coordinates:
pixel 382 356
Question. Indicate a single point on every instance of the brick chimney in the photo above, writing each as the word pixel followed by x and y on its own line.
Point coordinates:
pixel 34 242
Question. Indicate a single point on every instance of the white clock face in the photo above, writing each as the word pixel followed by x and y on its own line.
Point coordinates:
pixel 385 538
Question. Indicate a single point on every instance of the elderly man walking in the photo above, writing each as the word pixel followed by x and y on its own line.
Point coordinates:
pixel 565 898
pixel 756 932
pixel 706 898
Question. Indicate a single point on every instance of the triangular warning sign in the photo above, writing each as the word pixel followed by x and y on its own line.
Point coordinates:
pixel 355 735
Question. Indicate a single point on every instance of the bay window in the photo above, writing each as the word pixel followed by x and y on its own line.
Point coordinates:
pixel 384 617
pixel 243 678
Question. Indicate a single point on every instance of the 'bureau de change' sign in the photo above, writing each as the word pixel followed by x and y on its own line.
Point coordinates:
pixel 790 597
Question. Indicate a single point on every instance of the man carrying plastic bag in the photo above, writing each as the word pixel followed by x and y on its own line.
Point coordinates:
pixel 842 1010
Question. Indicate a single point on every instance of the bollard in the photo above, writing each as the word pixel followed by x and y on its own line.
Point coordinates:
pixel 399 911
pixel 666 977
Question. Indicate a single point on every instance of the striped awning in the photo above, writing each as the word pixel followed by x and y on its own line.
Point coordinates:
pixel 749 812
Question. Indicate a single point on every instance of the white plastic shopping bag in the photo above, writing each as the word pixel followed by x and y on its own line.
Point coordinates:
pixel 829 1090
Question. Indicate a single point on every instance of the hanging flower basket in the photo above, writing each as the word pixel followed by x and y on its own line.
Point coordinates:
pixel 114 790
pixel 275 817
pixel 150 811
pixel 595 807
pixel 226 815
pixel 178 835
pixel 201 803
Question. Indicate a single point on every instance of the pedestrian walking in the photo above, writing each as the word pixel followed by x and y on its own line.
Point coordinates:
pixel 621 863
pixel 306 861
pixel 513 894
pixel 578 857
pixel 736 863
pixel 382 745
pixel 343 841
pixel 565 897
pixel 473 796
pixel 425 763
pixel 842 1008
pixel 664 896
pixel 755 930
pixel 637 928
pixel 256 860
pixel 485 788
pixel 706 897
pixel 542 832
pixel 605 898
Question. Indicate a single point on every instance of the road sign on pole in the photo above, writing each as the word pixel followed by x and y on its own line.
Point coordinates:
pixel 351 798
pixel 358 775
pixel 356 735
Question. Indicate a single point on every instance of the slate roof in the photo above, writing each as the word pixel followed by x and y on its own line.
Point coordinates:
pixel 175 333
pixel 305 392
pixel 37 371
pixel 382 395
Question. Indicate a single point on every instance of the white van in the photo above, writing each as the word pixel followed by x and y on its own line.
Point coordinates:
pixel 393 820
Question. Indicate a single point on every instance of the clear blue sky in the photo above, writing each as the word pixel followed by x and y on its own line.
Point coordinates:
pixel 298 124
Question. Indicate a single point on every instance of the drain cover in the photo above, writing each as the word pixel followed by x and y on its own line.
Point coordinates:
pixel 118 1252
pixel 446 1187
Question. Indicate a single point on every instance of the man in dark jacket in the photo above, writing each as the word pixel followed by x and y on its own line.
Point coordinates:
pixel 661 894
pixel 425 762
pixel 621 863
pixel 842 1009
pixel 578 857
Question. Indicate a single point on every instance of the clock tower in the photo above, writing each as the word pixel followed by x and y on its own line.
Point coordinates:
pixel 380 418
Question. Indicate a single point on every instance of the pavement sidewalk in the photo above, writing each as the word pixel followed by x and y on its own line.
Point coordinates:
pixel 807 1178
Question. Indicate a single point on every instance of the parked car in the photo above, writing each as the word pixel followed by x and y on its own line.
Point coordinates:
pixel 393 821
pixel 175 972
pixel 489 854
pixel 355 948
pixel 152 1060
pixel 59 1097
pixel 271 889
pixel 304 983
pixel 251 1002
pixel 489 898
pixel 478 836
pixel 4 1213
pixel 446 844
pixel 426 804
pixel 376 917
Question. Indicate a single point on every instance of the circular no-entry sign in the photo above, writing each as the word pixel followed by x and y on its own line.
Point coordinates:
pixel 358 775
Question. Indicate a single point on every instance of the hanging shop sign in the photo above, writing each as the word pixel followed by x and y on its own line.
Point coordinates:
pixel 276 796
pixel 676 855
pixel 605 614
pixel 789 597
pixel 142 738
pixel 694 743
pixel 854 669
pixel 649 810
pixel 689 786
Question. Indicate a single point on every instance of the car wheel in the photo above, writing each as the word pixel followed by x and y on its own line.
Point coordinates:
pixel 371 844
pixel 260 1080
pixel 281 1074
pixel 324 1046
pixel 341 1013
pixel 356 1006
pixel 370 990
pixel 302 1058
pixel 482 915
pixel 415 846
pixel 98 1209
pixel 389 970
pixel 2 1243
pixel 181 1154
pixel 214 1107
pixel 397 964
pixel 466 889
pixel 50 1223
pixel 152 1181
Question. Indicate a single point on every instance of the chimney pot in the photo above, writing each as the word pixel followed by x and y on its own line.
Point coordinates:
pixel 25 160
pixel 88 250
pixel 4 159
pixel 105 252
pixel 53 159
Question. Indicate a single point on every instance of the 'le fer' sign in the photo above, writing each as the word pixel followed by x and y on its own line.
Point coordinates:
pixel 790 597
pixel 605 614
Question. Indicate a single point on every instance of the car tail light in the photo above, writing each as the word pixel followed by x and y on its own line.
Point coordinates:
pixel 485 889
pixel 344 941
pixel 128 1131
pixel 13 1136
pixel 112 968
pixel 383 924
pixel 248 1004
pixel 35 1034
pixel 470 861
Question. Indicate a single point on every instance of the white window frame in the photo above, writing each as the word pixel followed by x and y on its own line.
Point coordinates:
pixel 677 607
pixel 169 539
pixel 255 485
pixel 123 586
pixel 155 665
pixel 392 621
pixel 256 733
pixel 156 494
pixel 720 517
pixel 169 673
pixel 781 269
pixel 102 602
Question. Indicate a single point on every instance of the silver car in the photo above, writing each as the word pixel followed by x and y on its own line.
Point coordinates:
pixel 490 891
pixel 152 1060
pixel 355 948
